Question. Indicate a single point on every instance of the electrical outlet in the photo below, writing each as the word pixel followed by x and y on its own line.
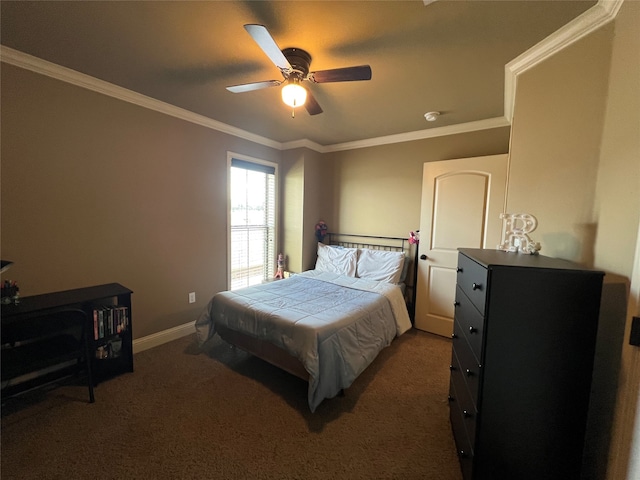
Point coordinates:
pixel 192 297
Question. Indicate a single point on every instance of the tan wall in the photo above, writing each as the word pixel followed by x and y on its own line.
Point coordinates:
pixel 96 190
pixel 617 196
pixel 307 198
pixel 617 246
pixel 378 189
pixel 555 143
pixel 318 203
pixel 292 206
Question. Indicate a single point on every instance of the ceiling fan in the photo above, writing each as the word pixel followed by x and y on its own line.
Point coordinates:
pixel 294 65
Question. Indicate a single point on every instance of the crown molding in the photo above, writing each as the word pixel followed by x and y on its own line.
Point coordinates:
pixel 401 137
pixel 304 143
pixel 598 15
pixel 421 134
pixel 594 18
pixel 43 67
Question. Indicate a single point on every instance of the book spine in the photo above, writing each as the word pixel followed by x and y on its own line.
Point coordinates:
pixel 125 318
pixel 100 323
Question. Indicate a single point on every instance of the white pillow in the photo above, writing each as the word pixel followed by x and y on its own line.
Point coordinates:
pixel 337 259
pixel 380 265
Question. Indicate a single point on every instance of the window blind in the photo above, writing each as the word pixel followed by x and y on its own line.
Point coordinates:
pixel 252 223
pixel 254 167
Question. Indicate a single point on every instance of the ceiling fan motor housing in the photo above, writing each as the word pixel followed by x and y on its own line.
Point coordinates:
pixel 294 65
pixel 299 59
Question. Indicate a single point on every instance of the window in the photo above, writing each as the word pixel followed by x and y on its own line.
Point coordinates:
pixel 252 221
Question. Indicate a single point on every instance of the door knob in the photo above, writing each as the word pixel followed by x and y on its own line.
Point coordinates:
pixel 423 257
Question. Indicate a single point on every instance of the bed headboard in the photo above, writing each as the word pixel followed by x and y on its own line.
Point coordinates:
pixel 394 244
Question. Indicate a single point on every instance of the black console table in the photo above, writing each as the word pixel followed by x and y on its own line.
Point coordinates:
pixel 107 333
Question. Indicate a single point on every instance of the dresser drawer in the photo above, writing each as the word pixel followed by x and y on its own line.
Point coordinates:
pixel 472 279
pixel 464 446
pixel 464 363
pixel 470 322
pixel 459 395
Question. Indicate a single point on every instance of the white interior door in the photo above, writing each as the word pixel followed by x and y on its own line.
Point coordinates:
pixel 461 205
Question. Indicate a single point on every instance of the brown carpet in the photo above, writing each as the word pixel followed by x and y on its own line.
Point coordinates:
pixel 226 415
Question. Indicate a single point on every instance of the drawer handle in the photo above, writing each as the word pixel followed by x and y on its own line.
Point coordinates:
pixel 468 372
pixel 473 330
pixel 466 414
pixel 452 368
pixel 456 304
pixel 459 269
pixel 453 335
pixel 463 454
pixel 476 286
pixel 450 398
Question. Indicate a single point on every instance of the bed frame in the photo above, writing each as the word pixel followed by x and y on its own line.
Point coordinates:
pixel 282 359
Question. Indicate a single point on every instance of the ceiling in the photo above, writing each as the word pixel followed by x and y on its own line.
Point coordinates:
pixel 447 56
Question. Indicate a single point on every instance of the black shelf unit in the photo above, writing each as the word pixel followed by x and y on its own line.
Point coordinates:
pixel 87 299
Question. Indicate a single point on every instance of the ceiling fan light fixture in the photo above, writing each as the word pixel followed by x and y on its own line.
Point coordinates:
pixel 294 94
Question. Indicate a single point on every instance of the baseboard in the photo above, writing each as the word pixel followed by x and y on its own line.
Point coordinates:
pixel 157 339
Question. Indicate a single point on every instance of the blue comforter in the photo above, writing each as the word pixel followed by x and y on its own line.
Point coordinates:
pixel 335 325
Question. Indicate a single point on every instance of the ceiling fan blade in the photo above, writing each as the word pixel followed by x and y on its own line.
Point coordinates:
pixel 347 74
pixel 249 87
pixel 312 105
pixel 268 45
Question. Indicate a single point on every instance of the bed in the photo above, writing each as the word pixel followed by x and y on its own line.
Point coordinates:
pixel 324 325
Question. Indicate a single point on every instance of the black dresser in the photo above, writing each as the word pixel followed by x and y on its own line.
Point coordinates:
pixel 523 349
